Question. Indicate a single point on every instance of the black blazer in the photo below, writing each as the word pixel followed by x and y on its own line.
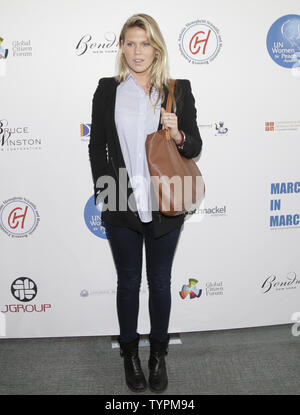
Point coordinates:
pixel 106 157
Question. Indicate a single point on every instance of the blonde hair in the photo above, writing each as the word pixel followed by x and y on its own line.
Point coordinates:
pixel 159 74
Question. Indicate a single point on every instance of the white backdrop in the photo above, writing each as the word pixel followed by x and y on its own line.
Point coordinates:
pixel 57 272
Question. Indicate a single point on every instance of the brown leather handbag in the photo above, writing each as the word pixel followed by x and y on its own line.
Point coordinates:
pixel 177 182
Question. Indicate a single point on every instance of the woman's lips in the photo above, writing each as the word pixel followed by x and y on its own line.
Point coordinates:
pixel 138 61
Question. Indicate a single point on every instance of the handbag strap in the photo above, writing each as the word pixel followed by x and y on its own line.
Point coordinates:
pixel 169 100
pixel 169 103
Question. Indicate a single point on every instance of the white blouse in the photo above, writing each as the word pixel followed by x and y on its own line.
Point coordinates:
pixel 135 118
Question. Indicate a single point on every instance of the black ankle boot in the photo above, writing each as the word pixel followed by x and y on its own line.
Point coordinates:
pixel 135 378
pixel 158 379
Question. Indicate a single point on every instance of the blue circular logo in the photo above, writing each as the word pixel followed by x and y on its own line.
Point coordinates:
pixel 283 41
pixel 92 217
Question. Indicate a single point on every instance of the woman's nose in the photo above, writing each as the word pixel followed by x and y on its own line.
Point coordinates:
pixel 137 49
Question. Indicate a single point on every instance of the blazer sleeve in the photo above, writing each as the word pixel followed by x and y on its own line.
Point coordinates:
pixel 98 137
pixel 188 124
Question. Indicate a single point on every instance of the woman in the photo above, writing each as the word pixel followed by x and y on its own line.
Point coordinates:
pixel 126 108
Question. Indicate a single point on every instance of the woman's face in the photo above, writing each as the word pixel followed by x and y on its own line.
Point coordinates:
pixel 138 52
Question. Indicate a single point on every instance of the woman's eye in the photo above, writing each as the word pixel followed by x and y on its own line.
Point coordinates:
pixel 145 44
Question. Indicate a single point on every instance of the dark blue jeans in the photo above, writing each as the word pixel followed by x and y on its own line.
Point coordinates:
pixel 127 250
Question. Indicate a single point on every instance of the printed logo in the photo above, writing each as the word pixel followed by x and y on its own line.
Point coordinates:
pixel 21 48
pixel 3 52
pixel 282 125
pixel 272 283
pixel 18 217
pixel 269 126
pixel 212 211
pixel 5 132
pixel 283 41
pixel 108 291
pixel 92 217
pixel 16 138
pixel 220 129
pixel 284 215
pixel 88 44
pixel 214 288
pixel 85 130
pixel 190 289
pixel 200 42
pixel 215 128
pixel 24 289
pixel 84 293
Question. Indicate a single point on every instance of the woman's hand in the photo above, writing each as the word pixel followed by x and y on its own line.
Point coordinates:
pixel 169 121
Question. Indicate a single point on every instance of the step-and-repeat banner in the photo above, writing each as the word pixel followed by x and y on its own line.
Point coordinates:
pixel 237 261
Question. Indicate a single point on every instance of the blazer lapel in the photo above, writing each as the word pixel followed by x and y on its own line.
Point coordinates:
pixel 112 125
